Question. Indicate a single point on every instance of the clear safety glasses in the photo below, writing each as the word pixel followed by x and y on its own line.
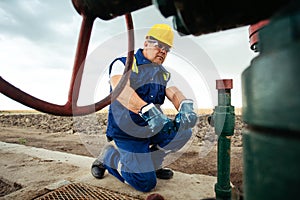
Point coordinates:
pixel 159 45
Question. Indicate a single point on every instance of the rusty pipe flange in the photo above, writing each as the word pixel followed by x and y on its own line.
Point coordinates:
pixel 107 9
pixel 224 84
pixel 253 34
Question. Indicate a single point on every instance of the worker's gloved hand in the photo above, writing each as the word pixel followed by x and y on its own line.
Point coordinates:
pixel 157 121
pixel 186 117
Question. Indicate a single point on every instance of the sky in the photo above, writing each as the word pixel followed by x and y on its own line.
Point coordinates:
pixel 38 39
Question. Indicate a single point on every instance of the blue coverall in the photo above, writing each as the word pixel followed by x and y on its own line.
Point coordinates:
pixel 140 152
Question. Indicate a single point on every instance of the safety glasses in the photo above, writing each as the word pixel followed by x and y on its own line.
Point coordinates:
pixel 159 45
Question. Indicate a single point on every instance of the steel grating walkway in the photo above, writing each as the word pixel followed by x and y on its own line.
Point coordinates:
pixel 79 191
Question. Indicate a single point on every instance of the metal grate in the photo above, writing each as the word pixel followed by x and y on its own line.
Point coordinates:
pixel 79 191
pixel 7 187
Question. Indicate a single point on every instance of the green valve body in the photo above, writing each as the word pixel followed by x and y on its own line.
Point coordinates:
pixel 271 110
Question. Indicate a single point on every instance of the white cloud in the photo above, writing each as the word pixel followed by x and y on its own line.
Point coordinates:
pixel 31 7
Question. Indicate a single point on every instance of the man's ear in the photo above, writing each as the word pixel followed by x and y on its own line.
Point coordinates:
pixel 145 44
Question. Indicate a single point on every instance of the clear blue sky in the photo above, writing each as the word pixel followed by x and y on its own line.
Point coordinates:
pixel 38 41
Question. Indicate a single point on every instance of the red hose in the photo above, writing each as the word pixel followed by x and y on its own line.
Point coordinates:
pixel 71 108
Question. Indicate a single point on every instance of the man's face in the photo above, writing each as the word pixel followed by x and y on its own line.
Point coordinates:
pixel 155 51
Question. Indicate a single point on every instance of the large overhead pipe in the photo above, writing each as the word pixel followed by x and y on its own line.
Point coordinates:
pixel 108 9
pixel 194 17
pixel 198 17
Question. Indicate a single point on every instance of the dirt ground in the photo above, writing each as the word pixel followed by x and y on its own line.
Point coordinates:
pixel 191 161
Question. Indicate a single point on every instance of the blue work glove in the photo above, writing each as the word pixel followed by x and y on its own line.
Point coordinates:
pixel 186 117
pixel 157 121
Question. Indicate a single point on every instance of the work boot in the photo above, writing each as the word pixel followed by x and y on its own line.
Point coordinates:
pixel 98 168
pixel 164 173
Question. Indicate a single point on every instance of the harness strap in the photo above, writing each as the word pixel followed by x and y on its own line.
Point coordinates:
pixel 134 67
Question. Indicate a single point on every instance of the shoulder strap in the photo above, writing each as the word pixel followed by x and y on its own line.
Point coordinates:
pixel 134 67
pixel 166 74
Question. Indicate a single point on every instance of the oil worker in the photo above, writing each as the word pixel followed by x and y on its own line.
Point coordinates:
pixel 139 134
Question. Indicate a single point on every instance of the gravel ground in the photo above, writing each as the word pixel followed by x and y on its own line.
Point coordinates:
pixel 61 134
pixel 95 123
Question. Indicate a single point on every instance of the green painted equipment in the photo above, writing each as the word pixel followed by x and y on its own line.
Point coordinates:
pixel 223 120
pixel 271 109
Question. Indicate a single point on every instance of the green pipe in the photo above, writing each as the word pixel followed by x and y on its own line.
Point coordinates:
pixel 223 187
pixel 223 121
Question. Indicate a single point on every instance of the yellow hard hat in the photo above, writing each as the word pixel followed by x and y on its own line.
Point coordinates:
pixel 163 33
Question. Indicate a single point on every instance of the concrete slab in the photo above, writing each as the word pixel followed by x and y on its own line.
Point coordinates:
pixel 40 170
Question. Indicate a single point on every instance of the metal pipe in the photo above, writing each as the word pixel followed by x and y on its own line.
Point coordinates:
pixel 108 9
pixel 271 110
pixel 198 17
pixel 81 53
pixel 223 120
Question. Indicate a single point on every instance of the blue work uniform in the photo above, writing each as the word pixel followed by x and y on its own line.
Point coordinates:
pixel 140 152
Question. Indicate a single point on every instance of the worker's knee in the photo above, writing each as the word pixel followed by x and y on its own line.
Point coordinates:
pixel 143 182
pixel 146 185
